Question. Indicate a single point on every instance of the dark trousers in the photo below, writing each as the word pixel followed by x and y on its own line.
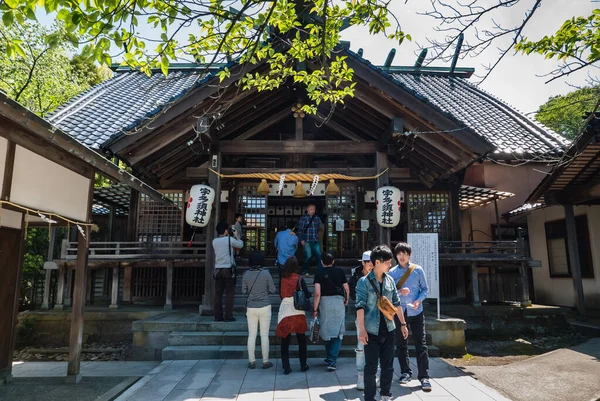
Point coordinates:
pixel 416 325
pixel 226 286
pixel 285 350
pixel 379 350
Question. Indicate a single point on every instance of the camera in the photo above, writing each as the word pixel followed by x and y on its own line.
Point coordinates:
pixel 231 231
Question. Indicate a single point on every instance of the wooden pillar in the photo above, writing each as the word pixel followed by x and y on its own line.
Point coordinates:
pixel 111 223
pixel 475 285
pixel 91 280
pixel 169 291
pixel 127 273
pixel 525 301
pixel 574 258
pixel 384 235
pixel 60 289
pixel 214 181
pixel 114 299
pixel 76 334
pixel 132 216
pixel 48 279
pixel 455 210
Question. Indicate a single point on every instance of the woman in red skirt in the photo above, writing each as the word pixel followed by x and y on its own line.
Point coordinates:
pixel 290 320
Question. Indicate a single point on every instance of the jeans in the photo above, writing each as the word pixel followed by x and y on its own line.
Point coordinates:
pixel 360 354
pixel 256 317
pixel 310 248
pixel 332 348
pixel 379 349
pixel 285 350
pixel 416 325
pixel 226 286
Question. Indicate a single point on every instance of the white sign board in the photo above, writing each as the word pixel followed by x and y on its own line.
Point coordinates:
pixel 425 253
pixel 339 225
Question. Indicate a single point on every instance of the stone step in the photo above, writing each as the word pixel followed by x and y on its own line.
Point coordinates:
pixel 178 338
pixel 241 325
pixel 195 352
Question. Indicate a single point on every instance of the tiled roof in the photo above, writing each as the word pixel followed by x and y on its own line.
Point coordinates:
pixel 470 197
pixel 524 209
pixel 116 195
pixel 110 108
pixel 510 131
pixel 119 104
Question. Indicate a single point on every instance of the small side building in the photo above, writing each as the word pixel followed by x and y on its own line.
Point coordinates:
pixel 563 217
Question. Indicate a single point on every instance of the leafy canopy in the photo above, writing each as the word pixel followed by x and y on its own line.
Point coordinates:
pixel 565 114
pixel 284 34
pixel 41 75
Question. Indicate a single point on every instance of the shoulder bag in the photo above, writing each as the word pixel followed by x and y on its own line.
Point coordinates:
pixel 301 301
pixel 407 273
pixel 224 273
pixel 339 290
pixel 384 305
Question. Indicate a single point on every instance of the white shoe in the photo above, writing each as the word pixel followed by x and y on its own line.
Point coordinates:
pixel 386 398
pixel 360 383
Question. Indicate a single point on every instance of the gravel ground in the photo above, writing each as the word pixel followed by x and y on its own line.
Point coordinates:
pixel 113 351
pixel 504 352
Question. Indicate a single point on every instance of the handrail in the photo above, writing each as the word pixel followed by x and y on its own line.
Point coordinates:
pixel 137 249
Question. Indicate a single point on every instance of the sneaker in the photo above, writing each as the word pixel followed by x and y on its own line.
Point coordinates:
pixel 230 319
pixel 425 385
pixel 326 361
pixel 287 371
pixel 304 368
pixel 360 383
pixel 404 378
pixel 331 367
pixel 267 365
pixel 306 274
pixel 386 398
pixel 251 365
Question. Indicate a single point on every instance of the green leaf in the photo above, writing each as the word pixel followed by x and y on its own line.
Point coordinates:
pixel 8 18
pixel 12 3
pixel 164 65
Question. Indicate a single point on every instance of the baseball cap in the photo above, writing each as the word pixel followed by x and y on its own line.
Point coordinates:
pixel 366 257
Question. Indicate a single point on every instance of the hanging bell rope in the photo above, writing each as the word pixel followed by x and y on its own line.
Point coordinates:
pixel 299 176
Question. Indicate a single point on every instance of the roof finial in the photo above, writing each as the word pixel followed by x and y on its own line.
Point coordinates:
pixel 360 52
pixel 421 58
pixel 390 58
pixel 456 52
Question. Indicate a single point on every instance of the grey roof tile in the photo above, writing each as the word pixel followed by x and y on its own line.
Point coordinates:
pixel 119 104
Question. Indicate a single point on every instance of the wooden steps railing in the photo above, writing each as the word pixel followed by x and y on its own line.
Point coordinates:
pixel 137 250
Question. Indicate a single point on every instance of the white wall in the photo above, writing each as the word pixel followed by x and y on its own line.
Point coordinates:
pixel 519 180
pixel 560 291
pixel 10 219
pixel 41 184
pixel 3 146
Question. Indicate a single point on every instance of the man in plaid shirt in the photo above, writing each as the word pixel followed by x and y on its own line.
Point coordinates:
pixel 308 233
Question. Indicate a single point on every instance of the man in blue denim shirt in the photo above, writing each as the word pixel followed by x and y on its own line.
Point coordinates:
pixel 374 330
pixel 414 291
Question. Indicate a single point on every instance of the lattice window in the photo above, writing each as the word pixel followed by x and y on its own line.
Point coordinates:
pixel 160 222
pixel 342 206
pixel 254 209
pixel 430 212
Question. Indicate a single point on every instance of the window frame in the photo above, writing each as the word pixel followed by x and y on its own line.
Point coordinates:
pixel 581 219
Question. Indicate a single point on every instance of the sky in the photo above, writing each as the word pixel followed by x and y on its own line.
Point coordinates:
pixel 516 79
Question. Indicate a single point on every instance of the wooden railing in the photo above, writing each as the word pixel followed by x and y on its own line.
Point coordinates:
pixel 483 247
pixel 137 250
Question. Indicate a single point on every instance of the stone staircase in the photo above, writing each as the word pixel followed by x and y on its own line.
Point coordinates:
pixel 181 335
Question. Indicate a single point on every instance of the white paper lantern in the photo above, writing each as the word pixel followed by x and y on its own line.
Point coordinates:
pixel 199 205
pixel 388 206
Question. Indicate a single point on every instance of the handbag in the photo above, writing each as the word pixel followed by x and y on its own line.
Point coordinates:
pixel 315 326
pixel 226 273
pixel 384 305
pixel 301 301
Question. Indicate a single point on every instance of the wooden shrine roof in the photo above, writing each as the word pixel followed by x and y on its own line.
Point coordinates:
pixel 576 178
pixel 470 197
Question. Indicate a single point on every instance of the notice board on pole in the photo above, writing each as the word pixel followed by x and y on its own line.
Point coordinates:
pixel 425 253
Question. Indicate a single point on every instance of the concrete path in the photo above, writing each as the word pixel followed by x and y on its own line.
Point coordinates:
pixel 232 380
pixel 88 369
pixel 567 374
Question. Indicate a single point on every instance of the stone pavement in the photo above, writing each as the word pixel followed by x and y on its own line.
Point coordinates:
pixel 232 380
pixel 566 374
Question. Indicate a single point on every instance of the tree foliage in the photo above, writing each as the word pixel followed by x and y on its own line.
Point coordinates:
pixel 39 72
pixel 566 114
pixel 576 43
pixel 282 33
